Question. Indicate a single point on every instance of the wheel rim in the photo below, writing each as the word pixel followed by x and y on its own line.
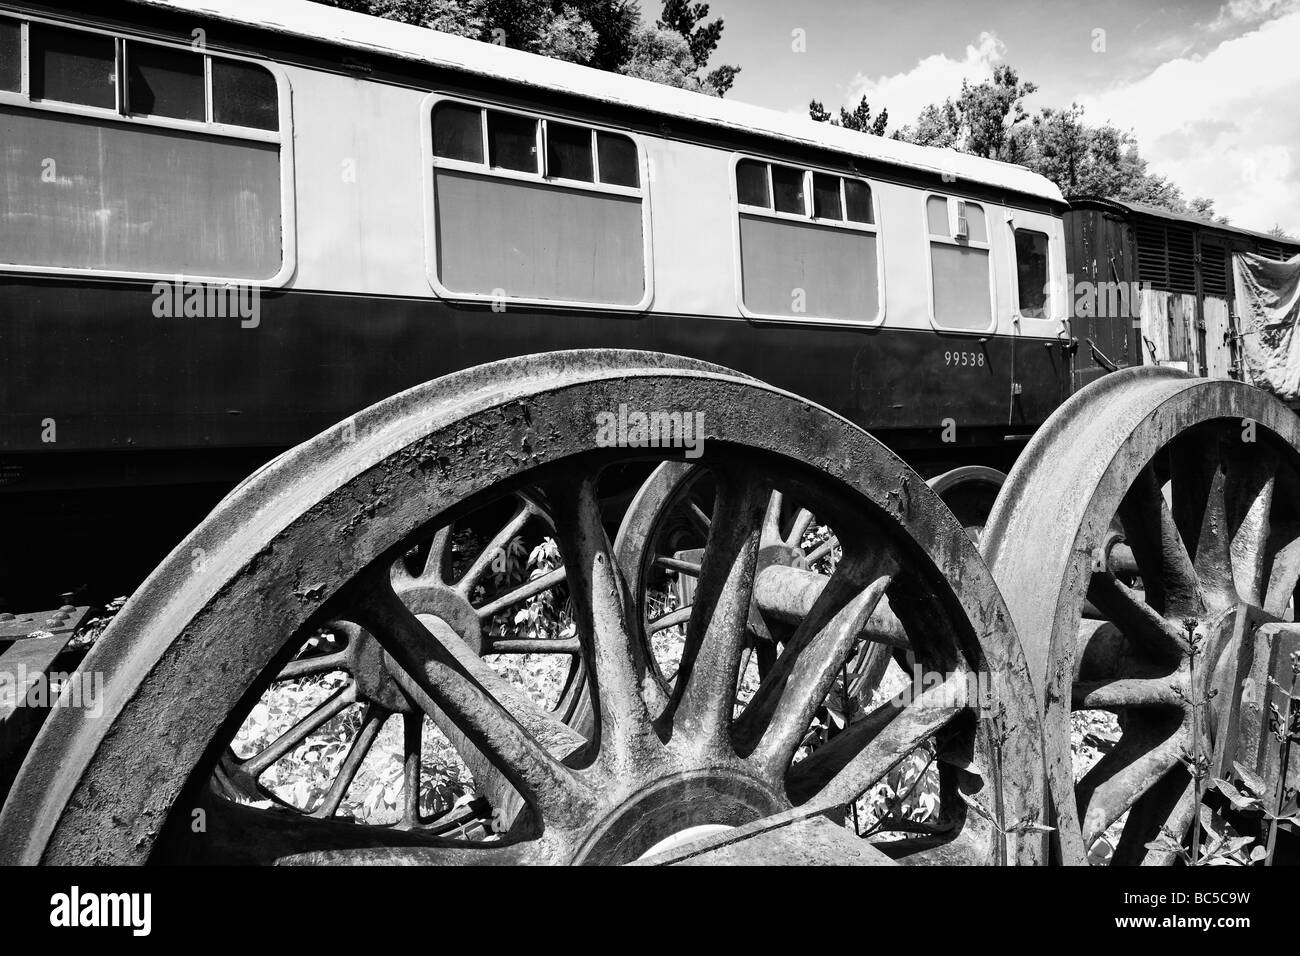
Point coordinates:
pixel 147 760
pixel 1214 557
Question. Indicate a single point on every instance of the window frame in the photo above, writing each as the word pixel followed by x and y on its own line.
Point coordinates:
pixel 282 138
pixel 986 245
pixel 1049 306
pixel 1058 298
pixel 739 209
pixel 433 162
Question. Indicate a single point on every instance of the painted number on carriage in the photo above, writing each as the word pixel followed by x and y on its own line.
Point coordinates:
pixel 963 359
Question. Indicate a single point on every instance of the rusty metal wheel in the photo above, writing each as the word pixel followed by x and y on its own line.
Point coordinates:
pixel 313 539
pixel 1149 526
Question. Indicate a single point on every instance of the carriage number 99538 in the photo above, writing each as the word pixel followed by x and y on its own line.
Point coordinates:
pixel 967 359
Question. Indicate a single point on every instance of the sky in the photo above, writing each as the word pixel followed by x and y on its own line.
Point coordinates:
pixel 1211 90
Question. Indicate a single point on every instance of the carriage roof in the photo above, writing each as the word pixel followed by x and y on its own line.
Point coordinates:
pixel 304 19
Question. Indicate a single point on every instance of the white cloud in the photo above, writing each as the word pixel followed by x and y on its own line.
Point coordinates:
pixel 1223 124
pixel 933 80
pixel 1235 13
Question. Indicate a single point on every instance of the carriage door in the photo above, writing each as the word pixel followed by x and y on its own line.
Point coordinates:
pixel 1039 375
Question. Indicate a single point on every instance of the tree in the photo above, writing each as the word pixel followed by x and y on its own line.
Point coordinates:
pixel 990 119
pixel 860 119
pixel 1277 232
pixel 938 125
pixel 983 120
pixel 664 56
pixel 607 34
pixel 688 19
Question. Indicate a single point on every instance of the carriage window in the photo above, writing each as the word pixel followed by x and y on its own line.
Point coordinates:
pixel 245 94
pixel 1031 273
pixel 961 295
pixel 936 216
pixel 857 201
pixel 751 184
pixel 568 152
pixel 619 165
pixel 137 192
pixel 11 56
pixel 458 132
pixel 970 220
pixel 787 190
pixel 512 142
pixel 823 264
pixel 165 82
pixel 71 66
pixel 558 235
pixel 826 197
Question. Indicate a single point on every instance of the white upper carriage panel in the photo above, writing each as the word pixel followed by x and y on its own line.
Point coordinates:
pixel 527 205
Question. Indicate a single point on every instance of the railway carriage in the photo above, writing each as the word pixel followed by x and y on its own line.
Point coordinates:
pixel 227 228
pixel 397 204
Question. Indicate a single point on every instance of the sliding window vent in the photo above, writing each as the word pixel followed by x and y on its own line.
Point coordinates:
pixel 961 228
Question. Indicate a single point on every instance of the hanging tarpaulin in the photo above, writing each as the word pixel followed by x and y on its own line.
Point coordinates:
pixel 1268 304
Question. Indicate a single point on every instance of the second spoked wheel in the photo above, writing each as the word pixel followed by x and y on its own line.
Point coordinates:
pixel 680 770
pixel 1145 531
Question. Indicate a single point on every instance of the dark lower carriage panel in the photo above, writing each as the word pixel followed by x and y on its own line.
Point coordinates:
pixel 155 418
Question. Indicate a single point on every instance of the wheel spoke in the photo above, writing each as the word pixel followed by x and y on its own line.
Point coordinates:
pixel 321 714
pixel 772 519
pixel 246 835
pixel 615 667
pixel 1125 692
pixel 412 742
pixel 704 693
pixel 671 619
pixel 801 522
pixel 1200 511
pixel 778 716
pixel 702 521
pixel 495 547
pixel 676 564
pixel 929 713
pixel 1168 575
pixel 312 666
pixel 810 775
pixel 1138 621
pixel 543 582
pixel 1144 754
pixel 371 724
pixel 823 549
pixel 434 560
pixel 1285 572
pixel 441 673
pixel 1249 493
pixel 546 645
pixel 1168 805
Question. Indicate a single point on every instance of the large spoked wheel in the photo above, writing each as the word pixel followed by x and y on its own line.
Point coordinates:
pixel 1147 527
pixel 314 538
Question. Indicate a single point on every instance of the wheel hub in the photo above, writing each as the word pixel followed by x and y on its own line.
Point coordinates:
pixel 676 809
pixel 370 664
